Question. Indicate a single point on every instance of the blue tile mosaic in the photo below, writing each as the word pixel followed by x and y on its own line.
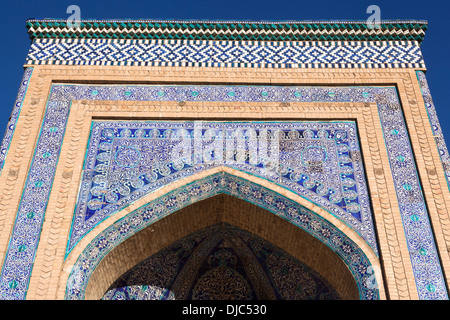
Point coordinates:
pixel 261 54
pixel 435 125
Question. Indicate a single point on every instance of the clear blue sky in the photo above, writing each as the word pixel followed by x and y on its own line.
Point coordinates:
pixel 435 48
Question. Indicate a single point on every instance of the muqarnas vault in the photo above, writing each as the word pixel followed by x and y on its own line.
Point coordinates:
pixel 233 160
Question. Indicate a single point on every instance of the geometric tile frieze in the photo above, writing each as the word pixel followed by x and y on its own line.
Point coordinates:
pixel 258 54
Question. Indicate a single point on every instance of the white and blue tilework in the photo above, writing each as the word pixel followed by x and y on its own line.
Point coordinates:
pixel 209 53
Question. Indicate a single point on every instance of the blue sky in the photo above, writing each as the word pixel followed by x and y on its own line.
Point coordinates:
pixel 435 48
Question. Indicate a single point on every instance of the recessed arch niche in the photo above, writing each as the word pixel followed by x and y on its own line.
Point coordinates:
pixel 334 257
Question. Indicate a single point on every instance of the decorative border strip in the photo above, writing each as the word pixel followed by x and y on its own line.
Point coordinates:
pixel 253 54
pixel 419 236
pixel 14 116
pixel 435 125
pixel 218 183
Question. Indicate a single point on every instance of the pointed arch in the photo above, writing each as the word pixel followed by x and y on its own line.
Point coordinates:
pixel 346 243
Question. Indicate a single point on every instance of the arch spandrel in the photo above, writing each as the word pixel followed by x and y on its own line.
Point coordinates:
pixel 320 161
pixel 343 241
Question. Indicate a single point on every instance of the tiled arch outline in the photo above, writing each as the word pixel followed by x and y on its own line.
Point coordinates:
pixel 312 219
pixel 87 110
pixel 431 288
